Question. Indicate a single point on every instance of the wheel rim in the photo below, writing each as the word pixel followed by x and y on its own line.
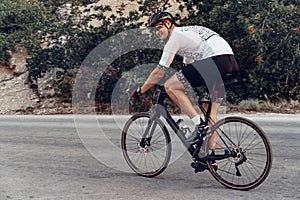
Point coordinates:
pixel 252 160
pixel 151 159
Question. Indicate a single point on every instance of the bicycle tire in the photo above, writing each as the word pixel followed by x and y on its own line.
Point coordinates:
pixel 253 153
pixel 153 159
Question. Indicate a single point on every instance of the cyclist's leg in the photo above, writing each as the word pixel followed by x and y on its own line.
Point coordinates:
pixel 204 73
pixel 213 116
pixel 175 90
pixel 225 65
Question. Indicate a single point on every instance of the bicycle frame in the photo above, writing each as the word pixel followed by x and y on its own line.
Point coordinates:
pixel 160 110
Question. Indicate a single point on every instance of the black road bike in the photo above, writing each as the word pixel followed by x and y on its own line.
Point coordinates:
pixel 243 153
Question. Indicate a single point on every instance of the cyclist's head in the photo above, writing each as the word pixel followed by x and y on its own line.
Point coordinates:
pixel 162 25
pixel 159 17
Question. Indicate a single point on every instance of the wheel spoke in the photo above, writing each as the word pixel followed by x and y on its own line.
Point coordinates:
pixel 152 156
pixel 252 160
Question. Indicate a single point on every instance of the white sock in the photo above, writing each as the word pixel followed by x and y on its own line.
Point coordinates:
pixel 196 119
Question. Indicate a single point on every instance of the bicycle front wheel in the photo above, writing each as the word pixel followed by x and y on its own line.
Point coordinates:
pixel 147 154
pixel 251 156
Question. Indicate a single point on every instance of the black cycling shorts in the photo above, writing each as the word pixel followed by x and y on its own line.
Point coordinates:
pixel 208 72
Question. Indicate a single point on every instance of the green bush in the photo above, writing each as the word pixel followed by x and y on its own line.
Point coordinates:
pixel 264 35
pixel 20 23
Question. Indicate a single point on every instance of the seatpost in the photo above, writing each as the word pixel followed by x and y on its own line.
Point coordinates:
pixel 207 115
pixel 205 112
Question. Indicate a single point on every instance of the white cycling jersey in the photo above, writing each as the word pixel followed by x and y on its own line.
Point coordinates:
pixel 193 43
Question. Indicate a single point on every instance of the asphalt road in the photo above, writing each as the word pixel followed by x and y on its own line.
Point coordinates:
pixel 64 158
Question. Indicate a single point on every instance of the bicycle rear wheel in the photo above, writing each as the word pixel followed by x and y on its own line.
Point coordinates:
pixel 251 159
pixel 147 155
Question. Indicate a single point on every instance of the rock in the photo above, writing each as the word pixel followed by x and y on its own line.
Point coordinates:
pixel 18 61
pixel 16 95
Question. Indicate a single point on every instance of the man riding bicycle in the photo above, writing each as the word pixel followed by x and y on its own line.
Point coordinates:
pixel 207 60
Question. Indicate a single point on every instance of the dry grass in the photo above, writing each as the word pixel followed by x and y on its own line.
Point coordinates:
pixel 255 105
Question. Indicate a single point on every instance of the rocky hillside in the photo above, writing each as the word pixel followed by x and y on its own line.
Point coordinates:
pixel 20 96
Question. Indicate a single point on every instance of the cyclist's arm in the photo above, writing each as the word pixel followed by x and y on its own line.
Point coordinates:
pixel 166 59
pixel 156 75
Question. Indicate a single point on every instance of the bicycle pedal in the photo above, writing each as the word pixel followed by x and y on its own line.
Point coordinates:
pixel 198 167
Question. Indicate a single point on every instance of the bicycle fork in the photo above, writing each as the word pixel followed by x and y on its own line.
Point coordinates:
pixel 147 136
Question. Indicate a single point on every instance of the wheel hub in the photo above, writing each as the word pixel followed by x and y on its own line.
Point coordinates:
pixel 238 155
pixel 143 145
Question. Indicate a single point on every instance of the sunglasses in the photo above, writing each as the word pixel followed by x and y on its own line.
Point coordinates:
pixel 156 28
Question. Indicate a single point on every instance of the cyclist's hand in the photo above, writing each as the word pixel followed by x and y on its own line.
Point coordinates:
pixel 136 93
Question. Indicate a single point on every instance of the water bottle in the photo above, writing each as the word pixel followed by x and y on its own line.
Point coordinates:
pixel 184 128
